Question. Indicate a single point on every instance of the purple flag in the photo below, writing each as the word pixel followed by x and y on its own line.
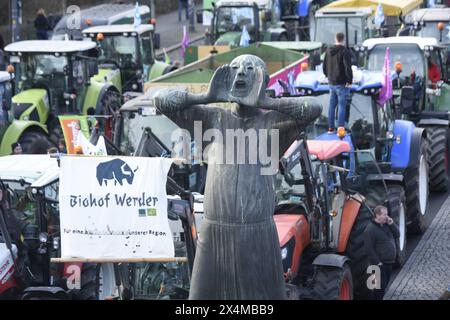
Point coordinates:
pixel 184 42
pixel 386 89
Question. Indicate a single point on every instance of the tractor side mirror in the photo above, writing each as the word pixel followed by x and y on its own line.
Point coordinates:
pixel 407 100
pixel 157 40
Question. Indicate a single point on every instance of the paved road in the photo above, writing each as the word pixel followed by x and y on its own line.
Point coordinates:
pixel 436 201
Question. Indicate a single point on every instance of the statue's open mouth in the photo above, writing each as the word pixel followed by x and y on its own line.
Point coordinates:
pixel 240 85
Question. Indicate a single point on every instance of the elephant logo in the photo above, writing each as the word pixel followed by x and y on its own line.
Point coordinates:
pixel 116 170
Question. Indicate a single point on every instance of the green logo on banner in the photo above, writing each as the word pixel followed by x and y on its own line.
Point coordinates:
pixel 151 212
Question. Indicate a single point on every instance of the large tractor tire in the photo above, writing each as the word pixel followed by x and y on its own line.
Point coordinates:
pixel 97 281
pixel 110 105
pixel 34 142
pixel 333 283
pixel 397 204
pixel 357 253
pixel 416 191
pixel 437 138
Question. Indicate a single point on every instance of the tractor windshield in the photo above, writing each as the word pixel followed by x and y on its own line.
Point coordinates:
pixel 359 118
pixel 231 19
pixel 409 55
pixel 430 29
pixel 120 49
pixel 42 68
pixel 327 27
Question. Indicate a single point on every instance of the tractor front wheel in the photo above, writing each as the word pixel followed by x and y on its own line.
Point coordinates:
pixel 437 138
pixel 333 283
pixel 416 190
pixel 34 142
pixel 97 281
pixel 110 107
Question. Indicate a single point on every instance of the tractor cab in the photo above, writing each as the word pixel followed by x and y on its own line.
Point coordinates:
pixel 420 67
pixel 427 23
pixel 261 19
pixel 51 76
pixel 127 51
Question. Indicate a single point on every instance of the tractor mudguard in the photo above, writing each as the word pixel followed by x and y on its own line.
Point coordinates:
pixel 15 130
pixel 330 260
pixel 106 87
pixel 45 293
pixel 348 217
pixel 414 157
pixel 158 69
pixel 109 76
pixel 406 144
pixel 92 97
pixel 31 104
pixel 433 122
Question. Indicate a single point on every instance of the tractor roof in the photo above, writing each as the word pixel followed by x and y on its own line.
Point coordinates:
pixel 420 41
pixel 36 170
pixel 295 45
pixel 260 3
pixel 390 7
pixel 4 76
pixel 119 28
pixel 429 14
pixel 50 46
pixel 344 12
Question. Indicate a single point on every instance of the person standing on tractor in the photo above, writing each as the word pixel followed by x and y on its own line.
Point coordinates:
pixel 379 242
pixel 337 67
pixel 41 24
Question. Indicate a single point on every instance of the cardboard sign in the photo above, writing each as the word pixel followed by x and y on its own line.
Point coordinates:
pixel 114 207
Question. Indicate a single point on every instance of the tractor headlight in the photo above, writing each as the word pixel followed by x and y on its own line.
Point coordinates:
pixel 56 243
pixel 43 237
pixel 284 253
pixel 134 86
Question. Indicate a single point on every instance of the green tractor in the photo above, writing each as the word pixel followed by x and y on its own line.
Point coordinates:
pixel 421 95
pixel 54 78
pixel 127 55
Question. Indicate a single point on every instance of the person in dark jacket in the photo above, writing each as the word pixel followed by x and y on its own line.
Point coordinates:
pixel 41 24
pixel 379 241
pixel 337 67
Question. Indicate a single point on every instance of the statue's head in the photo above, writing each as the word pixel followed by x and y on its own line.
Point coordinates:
pixel 249 78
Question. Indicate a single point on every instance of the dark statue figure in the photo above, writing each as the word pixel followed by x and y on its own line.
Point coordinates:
pixel 238 253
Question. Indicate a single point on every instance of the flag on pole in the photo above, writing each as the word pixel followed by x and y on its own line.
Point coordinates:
pixel 184 42
pixel 245 37
pixel 379 16
pixel 137 16
pixel 431 4
pixel 386 89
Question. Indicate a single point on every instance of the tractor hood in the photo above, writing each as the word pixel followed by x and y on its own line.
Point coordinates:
pixel 31 104
pixel 229 38
pixel 110 76
pixel 310 82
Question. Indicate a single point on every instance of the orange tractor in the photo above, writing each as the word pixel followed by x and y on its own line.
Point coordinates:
pixel 320 221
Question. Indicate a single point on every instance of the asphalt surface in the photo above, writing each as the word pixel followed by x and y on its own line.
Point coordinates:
pixel 435 202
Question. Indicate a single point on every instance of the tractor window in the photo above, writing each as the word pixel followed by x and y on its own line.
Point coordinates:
pixel 146 47
pixel 120 49
pixel 78 72
pixel 231 19
pixel 327 28
pixel 409 55
pixel 430 30
pixel 38 67
pixel 5 101
pixel 361 121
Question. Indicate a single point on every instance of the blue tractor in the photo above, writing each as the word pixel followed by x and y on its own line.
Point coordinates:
pixel 388 161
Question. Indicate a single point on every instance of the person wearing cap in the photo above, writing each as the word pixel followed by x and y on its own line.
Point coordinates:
pixel 16 148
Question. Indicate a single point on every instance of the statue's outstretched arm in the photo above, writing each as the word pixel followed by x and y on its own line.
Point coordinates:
pixel 301 110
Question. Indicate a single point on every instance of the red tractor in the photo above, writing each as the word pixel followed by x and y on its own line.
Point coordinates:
pixel 320 221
